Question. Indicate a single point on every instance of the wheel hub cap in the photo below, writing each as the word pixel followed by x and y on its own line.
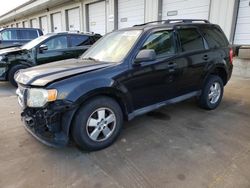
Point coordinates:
pixel 101 124
pixel 214 93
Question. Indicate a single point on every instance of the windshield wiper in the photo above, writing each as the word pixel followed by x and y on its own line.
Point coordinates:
pixel 90 58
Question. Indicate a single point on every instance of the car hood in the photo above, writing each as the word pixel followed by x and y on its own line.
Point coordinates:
pixel 10 50
pixel 44 74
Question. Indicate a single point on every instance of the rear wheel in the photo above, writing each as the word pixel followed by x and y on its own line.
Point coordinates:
pixel 12 73
pixel 212 93
pixel 97 124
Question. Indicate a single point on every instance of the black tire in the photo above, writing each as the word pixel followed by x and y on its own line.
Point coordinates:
pixel 80 128
pixel 12 73
pixel 204 101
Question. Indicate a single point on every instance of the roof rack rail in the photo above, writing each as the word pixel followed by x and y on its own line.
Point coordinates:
pixel 175 21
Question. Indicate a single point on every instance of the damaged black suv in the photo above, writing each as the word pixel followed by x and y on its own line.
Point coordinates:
pixel 127 73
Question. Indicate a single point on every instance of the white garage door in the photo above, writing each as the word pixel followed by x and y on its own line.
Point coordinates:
pixel 56 22
pixel 97 17
pixel 33 23
pixel 130 12
pixel 242 32
pixel 19 24
pixel 73 19
pixel 44 24
pixel 25 24
pixel 185 9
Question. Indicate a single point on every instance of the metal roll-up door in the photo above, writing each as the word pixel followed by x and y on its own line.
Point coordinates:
pixel 34 23
pixel 130 12
pixel 242 32
pixel 185 9
pixel 25 24
pixel 44 24
pixel 19 25
pixel 73 18
pixel 56 22
pixel 97 17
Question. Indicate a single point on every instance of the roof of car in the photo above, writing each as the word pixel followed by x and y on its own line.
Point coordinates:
pixel 170 24
pixel 73 33
pixel 20 28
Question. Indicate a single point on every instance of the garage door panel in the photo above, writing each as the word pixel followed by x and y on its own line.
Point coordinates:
pixel 57 22
pixel 186 9
pixel 244 12
pixel 44 24
pixel 97 17
pixel 25 24
pixel 74 19
pixel 34 23
pixel 242 31
pixel 244 20
pixel 243 28
pixel 130 12
pixel 244 3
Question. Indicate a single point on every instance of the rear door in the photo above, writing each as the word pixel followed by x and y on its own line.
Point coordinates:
pixel 193 57
pixel 78 45
pixel 57 50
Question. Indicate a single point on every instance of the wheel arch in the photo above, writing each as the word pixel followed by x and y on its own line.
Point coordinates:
pixel 112 93
pixel 220 71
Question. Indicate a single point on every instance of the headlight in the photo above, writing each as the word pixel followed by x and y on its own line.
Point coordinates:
pixel 1 57
pixel 40 97
pixel 2 70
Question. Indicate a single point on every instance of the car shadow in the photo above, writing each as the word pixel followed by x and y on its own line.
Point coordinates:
pixel 6 89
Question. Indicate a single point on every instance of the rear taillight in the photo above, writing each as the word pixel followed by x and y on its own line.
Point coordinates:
pixel 231 55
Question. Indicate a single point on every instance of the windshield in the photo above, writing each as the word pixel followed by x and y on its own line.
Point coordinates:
pixel 113 47
pixel 35 42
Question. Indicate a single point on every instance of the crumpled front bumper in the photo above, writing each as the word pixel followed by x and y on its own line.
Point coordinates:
pixel 45 125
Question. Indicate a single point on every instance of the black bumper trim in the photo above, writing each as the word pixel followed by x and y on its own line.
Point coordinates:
pixel 56 143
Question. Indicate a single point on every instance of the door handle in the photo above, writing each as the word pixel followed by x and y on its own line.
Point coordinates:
pixel 205 57
pixel 172 65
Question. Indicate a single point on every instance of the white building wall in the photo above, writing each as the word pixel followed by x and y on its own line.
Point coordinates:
pixel 220 12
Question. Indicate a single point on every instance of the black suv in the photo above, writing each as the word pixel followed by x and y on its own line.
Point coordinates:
pixel 10 37
pixel 45 49
pixel 127 73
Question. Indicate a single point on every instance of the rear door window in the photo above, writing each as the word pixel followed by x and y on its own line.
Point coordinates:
pixel 80 40
pixel 9 35
pixel 190 40
pixel 27 34
pixel 214 37
pixel 162 42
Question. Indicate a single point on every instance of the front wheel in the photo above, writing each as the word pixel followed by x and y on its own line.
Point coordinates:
pixel 12 73
pixel 97 124
pixel 212 93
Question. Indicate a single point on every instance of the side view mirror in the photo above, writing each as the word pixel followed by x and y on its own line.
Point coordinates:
pixel 42 48
pixel 145 55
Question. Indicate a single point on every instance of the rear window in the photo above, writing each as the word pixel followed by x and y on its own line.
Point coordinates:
pixel 79 40
pixel 190 40
pixel 27 34
pixel 214 37
pixel 9 35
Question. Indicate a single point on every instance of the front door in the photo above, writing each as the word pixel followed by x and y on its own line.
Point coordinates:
pixel 155 81
pixel 56 50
